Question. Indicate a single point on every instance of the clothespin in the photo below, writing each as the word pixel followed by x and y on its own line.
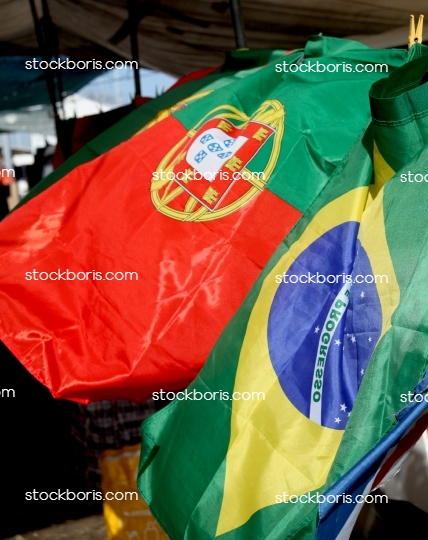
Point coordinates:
pixel 415 36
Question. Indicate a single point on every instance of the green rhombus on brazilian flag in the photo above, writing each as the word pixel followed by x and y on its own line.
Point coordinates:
pixel 332 359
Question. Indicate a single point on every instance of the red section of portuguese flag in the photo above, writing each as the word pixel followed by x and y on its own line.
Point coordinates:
pixel 100 339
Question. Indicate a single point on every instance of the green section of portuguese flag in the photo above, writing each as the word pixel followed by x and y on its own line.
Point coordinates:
pixel 182 465
pixel 238 64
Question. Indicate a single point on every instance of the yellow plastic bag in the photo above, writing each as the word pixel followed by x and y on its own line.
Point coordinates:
pixel 127 516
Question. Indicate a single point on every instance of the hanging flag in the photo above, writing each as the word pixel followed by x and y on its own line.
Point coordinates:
pixel 117 281
pixel 307 377
pixel 374 449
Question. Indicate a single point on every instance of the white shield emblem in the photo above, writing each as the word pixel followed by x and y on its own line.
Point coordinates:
pixel 210 151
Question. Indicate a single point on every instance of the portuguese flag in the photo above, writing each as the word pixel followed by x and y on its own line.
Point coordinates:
pixel 307 378
pixel 118 280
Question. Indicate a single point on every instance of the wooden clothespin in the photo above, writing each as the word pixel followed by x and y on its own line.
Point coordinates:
pixel 415 36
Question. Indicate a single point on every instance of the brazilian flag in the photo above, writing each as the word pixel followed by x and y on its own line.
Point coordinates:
pixel 394 232
pixel 318 354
